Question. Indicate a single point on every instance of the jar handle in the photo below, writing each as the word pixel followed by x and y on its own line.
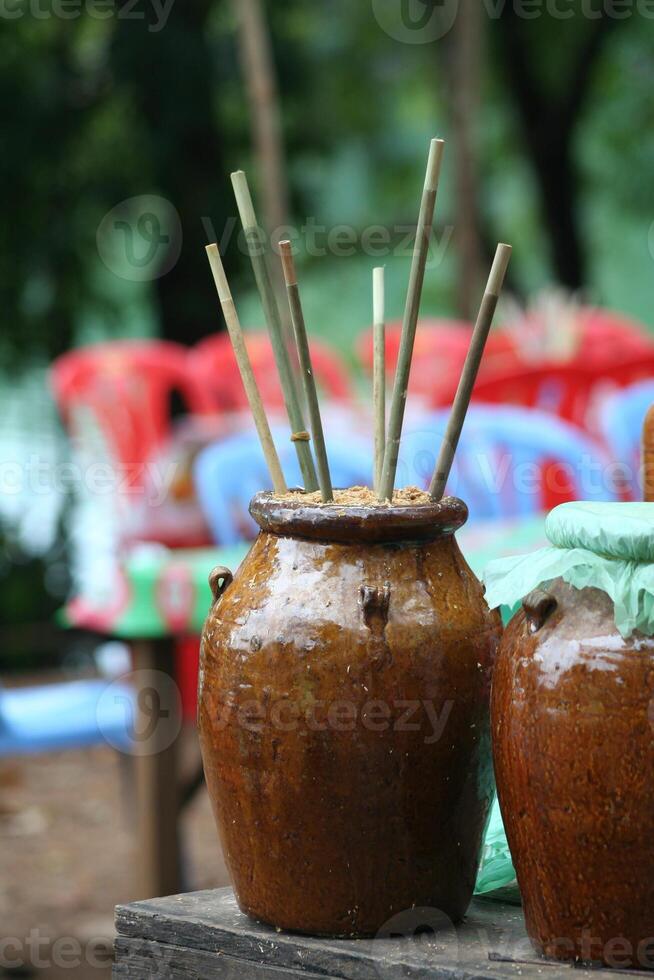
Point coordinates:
pixel 220 578
pixel 375 603
pixel 538 606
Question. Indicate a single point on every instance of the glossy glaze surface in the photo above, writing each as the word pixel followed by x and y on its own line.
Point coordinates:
pixel 648 455
pixel 344 724
pixel 573 745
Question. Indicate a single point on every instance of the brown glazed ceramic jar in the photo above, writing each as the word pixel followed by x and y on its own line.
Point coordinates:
pixel 343 715
pixel 573 744
pixel 648 455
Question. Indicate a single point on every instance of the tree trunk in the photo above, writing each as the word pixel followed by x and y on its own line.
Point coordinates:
pixel 558 185
pixel 464 74
pixel 548 125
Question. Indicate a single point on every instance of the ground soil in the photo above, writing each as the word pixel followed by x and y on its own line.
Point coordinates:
pixel 67 858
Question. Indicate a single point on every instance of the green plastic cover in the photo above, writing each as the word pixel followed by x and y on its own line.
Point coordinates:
pixel 609 546
pixel 496 876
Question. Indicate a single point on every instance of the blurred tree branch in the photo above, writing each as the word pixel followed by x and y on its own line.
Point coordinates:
pixel 464 54
pixel 261 84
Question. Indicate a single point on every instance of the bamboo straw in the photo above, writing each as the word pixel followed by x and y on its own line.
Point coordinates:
pixel 308 379
pixel 416 279
pixel 648 455
pixel 469 373
pixel 245 368
pixel 379 370
pixel 256 247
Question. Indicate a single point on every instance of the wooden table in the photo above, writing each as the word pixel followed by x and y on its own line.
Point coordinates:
pixel 203 935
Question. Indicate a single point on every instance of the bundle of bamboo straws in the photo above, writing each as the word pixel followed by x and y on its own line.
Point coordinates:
pixel 386 439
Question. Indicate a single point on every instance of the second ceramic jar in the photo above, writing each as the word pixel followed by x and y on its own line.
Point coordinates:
pixel 573 733
pixel 343 715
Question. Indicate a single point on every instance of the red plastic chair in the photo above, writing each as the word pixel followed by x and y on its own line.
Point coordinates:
pixel 122 391
pixel 563 390
pixel 215 372
pixel 569 391
pixel 126 387
pixel 438 355
pixel 606 335
pixel 601 338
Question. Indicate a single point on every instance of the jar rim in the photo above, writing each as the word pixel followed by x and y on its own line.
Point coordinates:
pixel 336 522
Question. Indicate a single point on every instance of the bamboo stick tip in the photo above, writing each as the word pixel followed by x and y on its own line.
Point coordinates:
pixel 239 179
pixel 244 199
pixel 436 148
pixel 378 294
pixel 498 270
pixel 218 270
pixel 288 263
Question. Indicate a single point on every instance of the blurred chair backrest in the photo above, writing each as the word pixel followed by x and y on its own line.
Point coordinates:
pixel 607 337
pixel 561 332
pixel 432 335
pixel 631 368
pixel 215 370
pixel 621 424
pixel 560 389
pixel 572 392
pixel 511 462
pixel 229 473
pixel 439 352
pixel 71 715
pixel 124 389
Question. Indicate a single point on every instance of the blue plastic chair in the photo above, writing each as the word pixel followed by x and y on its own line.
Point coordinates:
pixel 73 715
pixel 227 475
pixel 499 459
pixel 621 420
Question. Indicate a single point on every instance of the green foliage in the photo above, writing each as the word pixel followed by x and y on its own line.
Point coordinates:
pixel 98 110
pixel 65 155
pixel 32 590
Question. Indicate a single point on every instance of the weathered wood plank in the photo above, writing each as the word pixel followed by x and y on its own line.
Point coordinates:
pixel 138 959
pixel 196 931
